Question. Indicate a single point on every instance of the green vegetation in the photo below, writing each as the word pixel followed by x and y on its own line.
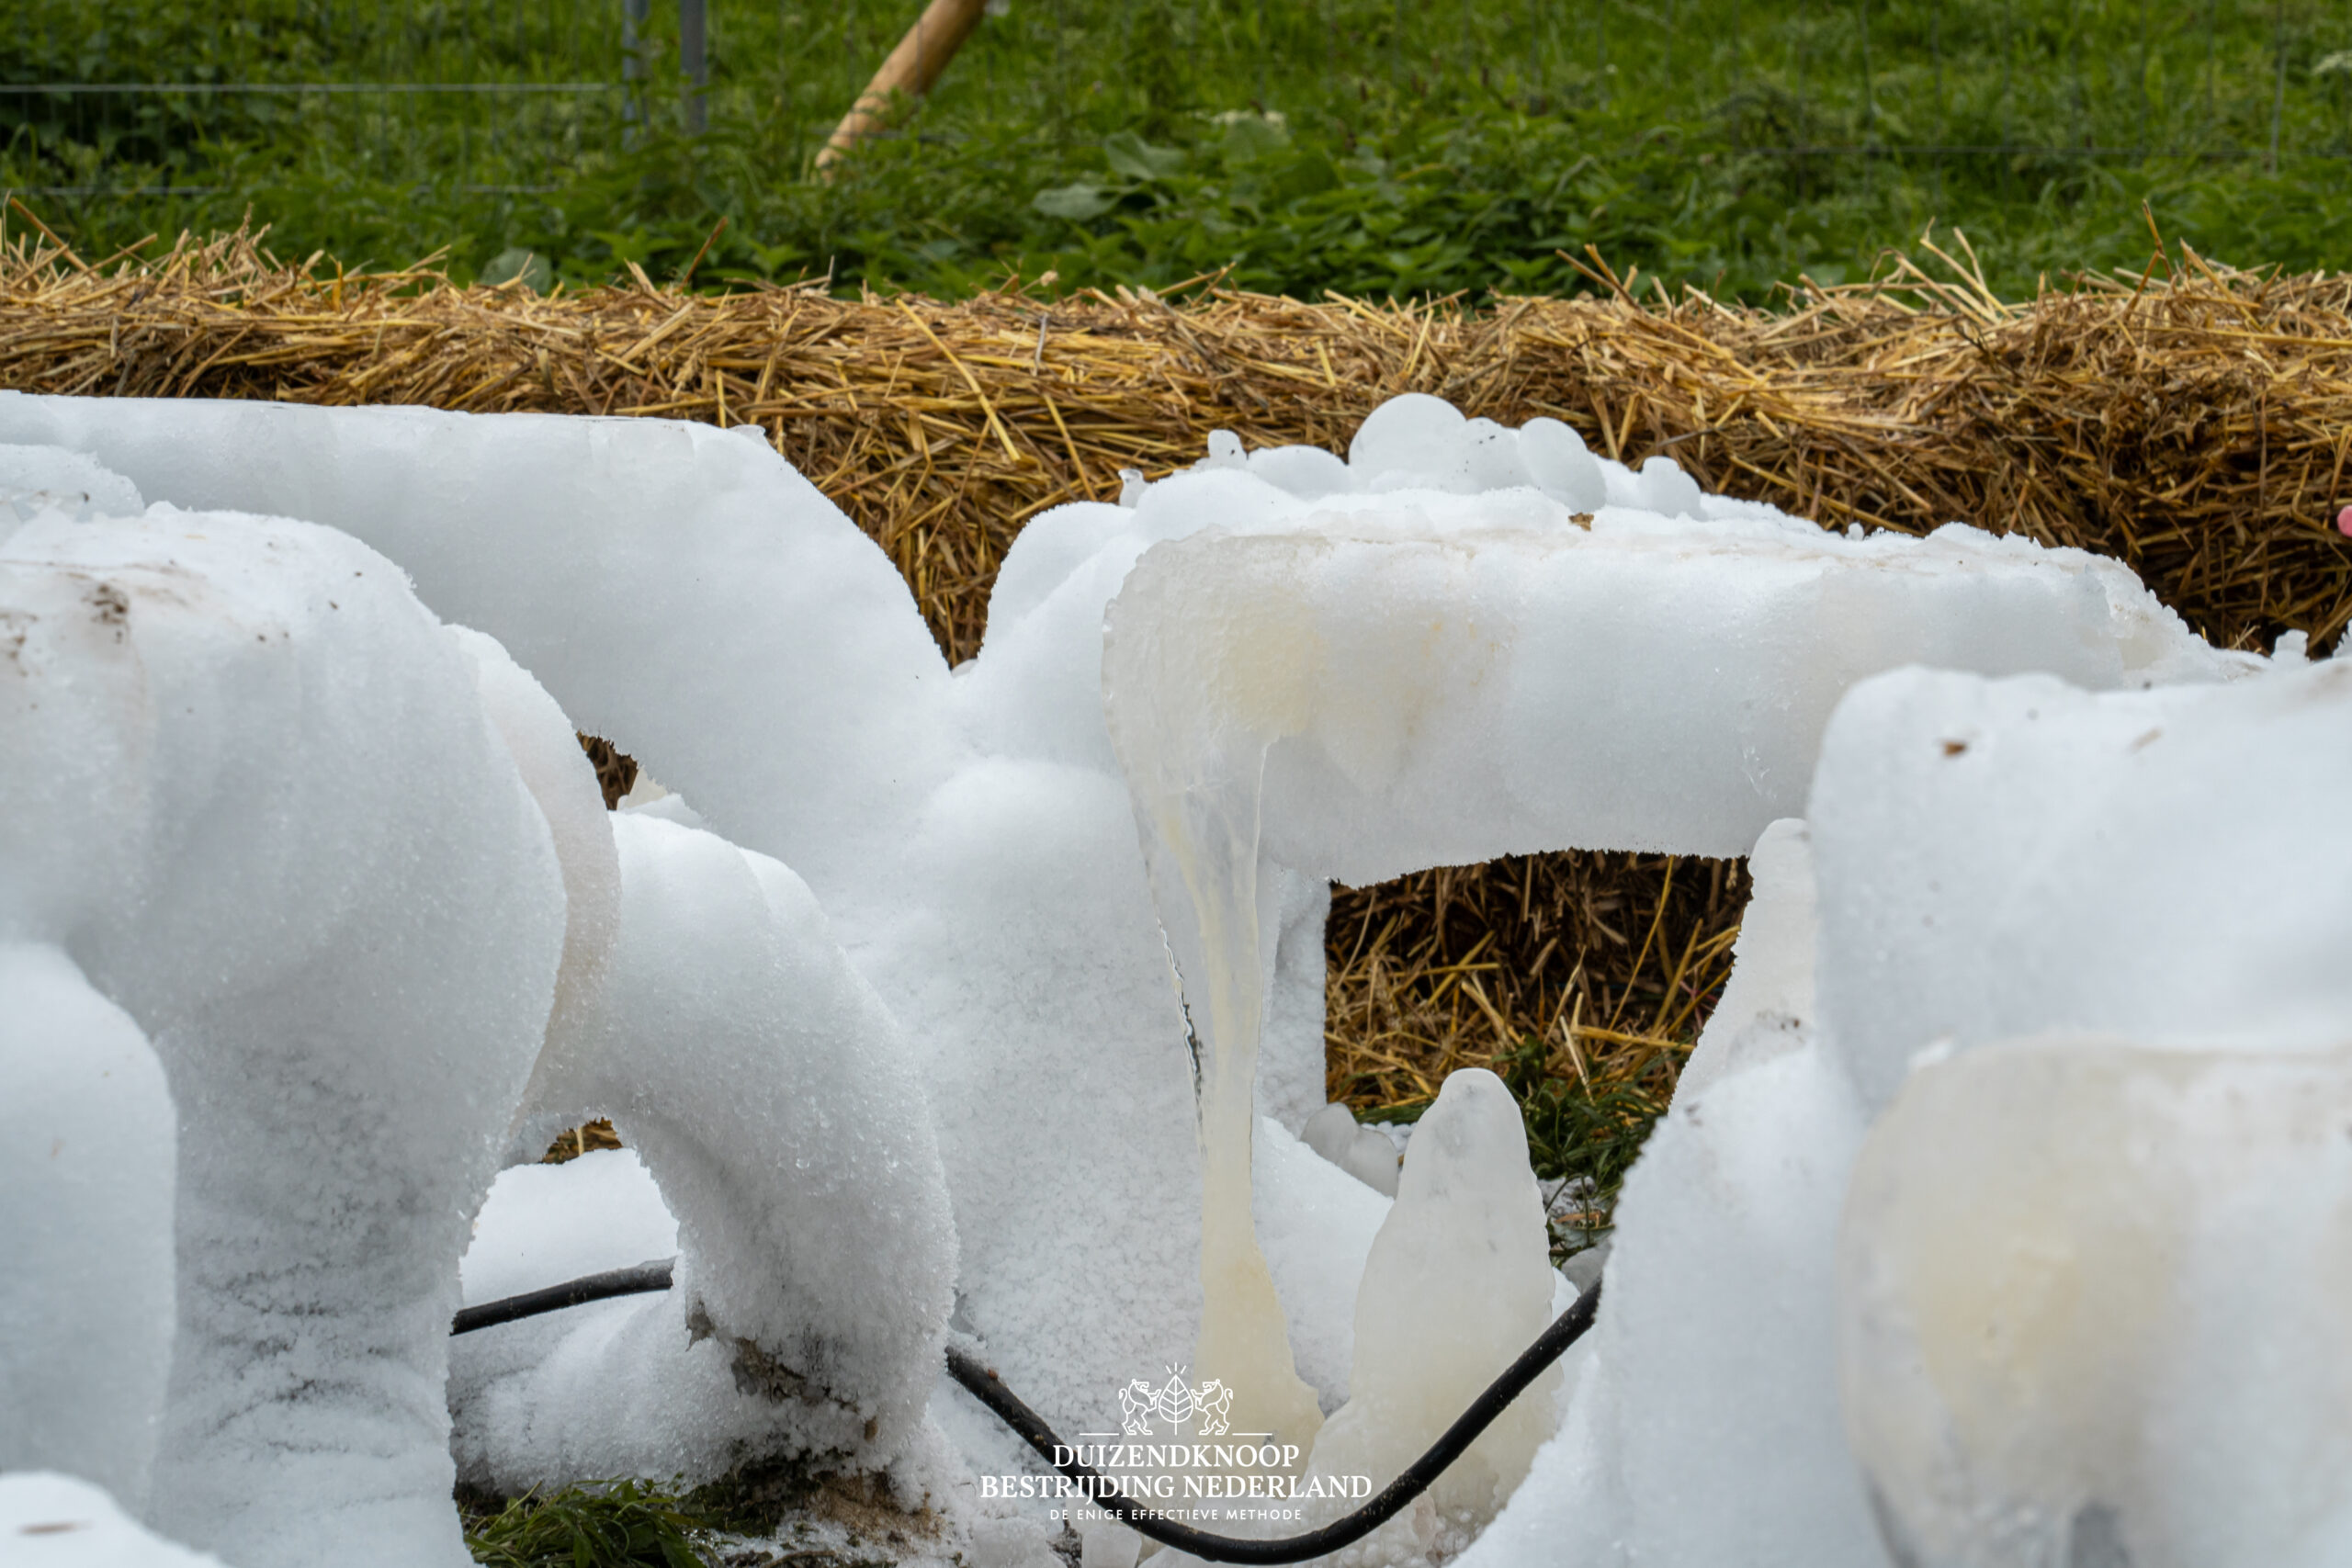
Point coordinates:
pixel 1359 145
pixel 1583 1133
pixel 621 1524
pixel 636 1523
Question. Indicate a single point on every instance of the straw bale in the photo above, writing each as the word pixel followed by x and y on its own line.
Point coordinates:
pixel 2194 422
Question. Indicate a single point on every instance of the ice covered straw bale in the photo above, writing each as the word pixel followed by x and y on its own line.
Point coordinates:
pixel 1771 973
pixel 2092 1307
pixel 87 1134
pixel 1422 694
pixel 34 480
pixel 683 592
pixel 680 590
pixel 49 1520
pixel 2003 858
pixel 1458 1283
pixel 772 1096
pixel 344 962
pixel 1035 695
pixel 1705 1429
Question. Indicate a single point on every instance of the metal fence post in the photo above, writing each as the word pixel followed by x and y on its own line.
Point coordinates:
pixel 694 56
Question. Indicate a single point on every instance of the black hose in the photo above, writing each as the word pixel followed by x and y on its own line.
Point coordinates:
pixel 1552 1343
pixel 643 1280
pixel 985 1386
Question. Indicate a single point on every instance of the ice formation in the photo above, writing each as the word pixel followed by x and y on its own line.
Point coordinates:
pixel 2005 858
pixel 655 576
pixel 87 1138
pixel 50 1521
pixel 214 720
pixel 1438 680
pixel 1458 1282
pixel 1705 1426
pixel 1769 995
pixel 968 836
pixel 2020 861
pixel 2092 1307
pixel 1462 640
pixel 1418 670
pixel 766 1089
pixel 1364 1153
pixel 35 480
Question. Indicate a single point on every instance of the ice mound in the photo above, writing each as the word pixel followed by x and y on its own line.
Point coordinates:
pixel 1769 994
pixel 345 965
pixel 657 577
pixel 49 1520
pixel 768 1091
pixel 1449 665
pixel 2093 1303
pixel 2005 858
pixel 2029 1313
pixel 1364 1153
pixel 1704 1426
pixel 1459 1281
pixel 1460 641
pixel 86 1137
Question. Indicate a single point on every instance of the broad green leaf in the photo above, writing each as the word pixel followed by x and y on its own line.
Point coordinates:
pixel 1131 155
pixel 1081 201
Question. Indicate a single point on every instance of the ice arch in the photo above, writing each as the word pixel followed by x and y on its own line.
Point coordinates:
pixel 771 1095
pixel 1377 682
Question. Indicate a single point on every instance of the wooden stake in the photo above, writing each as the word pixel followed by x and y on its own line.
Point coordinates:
pixel 911 69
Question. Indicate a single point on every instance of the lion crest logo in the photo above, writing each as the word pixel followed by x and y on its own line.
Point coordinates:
pixel 1175 1401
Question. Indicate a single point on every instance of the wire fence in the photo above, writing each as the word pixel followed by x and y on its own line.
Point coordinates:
pixel 171 95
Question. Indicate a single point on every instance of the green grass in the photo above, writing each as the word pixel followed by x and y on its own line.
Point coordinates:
pixel 1298 145
pixel 621 1524
pixel 638 1524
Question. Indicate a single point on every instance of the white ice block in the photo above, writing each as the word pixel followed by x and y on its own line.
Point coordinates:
pixel 680 590
pixel 87 1134
pixel 2004 858
pixel 49 1520
pixel 2092 1300
pixel 1458 1283
pixel 1425 692
pixel 1705 1427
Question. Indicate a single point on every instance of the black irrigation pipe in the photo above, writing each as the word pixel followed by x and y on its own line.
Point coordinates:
pixel 985 1386
pixel 643 1280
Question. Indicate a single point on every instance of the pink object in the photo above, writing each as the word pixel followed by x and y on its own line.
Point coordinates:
pixel 2344 521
